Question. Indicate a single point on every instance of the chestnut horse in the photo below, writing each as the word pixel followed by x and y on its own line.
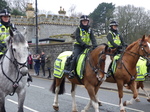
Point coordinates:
pixel 94 72
pixel 126 67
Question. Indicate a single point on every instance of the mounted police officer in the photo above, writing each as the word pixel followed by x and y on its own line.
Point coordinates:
pixel 84 35
pixel 5 25
pixel 115 40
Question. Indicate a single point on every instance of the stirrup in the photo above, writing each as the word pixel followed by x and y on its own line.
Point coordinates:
pixel 71 75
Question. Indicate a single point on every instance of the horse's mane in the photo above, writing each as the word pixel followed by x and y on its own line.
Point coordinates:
pixel 18 37
pixel 131 45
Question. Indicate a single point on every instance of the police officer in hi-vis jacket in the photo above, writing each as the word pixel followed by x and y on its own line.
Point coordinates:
pixel 83 36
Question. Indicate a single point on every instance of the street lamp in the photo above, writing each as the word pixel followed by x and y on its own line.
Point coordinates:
pixel 36 19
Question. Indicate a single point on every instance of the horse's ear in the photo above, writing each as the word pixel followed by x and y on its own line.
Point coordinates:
pixel 143 38
pixel 106 47
pixel 11 32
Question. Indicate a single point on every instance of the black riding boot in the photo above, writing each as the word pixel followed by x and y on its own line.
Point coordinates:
pixel 29 78
pixel 71 71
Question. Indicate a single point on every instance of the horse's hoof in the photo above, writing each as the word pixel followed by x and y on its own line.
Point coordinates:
pixel 148 100
pixel 99 103
pixel 124 104
pixel 56 108
pixel 137 100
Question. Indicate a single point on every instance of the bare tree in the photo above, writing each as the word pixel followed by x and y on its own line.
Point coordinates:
pixel 73 13
pixel 19 4
pixel 133 22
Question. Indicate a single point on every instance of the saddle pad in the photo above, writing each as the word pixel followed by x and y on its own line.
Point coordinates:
pixel 59 63
pixel 114 64
pixel 81 63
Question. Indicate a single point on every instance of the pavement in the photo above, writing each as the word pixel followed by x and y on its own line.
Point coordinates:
pixel 104 85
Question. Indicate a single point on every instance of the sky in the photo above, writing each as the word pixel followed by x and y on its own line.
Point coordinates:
pixel 85 6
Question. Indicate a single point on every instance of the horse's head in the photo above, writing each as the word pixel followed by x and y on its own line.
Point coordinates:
pixel 102 57
pixel 144 49
pixel 107 54
pixel 18 49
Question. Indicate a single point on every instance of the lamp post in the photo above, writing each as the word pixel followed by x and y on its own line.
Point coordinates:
pixel 36 19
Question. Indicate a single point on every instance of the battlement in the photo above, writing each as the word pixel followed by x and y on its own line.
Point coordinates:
pixel 43 19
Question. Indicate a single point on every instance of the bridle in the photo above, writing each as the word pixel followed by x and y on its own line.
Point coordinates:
pixel 97 68
pixel 146 57
pixel 16 64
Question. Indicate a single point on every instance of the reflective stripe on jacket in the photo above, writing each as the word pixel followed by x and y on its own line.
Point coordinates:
pixel 116 39
pixel 85 36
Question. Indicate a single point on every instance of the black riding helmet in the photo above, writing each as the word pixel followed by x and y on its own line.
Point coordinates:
pixel 113 23
pixel 5 12
pixel 84 17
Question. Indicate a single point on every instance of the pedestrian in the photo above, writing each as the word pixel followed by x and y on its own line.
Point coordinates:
pixel 48 65
pixel 30 61
pixel 36 59
pixel 84 35
pixel 43 62
pixel 5 25
pixel 115 40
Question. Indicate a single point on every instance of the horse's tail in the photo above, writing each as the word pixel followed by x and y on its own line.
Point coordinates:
pixel 62 86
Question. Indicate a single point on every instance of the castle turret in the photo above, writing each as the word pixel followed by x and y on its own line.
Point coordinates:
pixel 62 11
pixel 29 11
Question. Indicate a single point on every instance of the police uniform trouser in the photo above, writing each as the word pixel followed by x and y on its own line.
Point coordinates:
pixel 77 50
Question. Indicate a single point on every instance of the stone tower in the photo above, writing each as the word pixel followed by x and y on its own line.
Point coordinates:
pixel 29 11
pixel 61 11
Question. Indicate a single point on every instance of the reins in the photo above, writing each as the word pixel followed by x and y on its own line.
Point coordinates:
pixel 16 63
pixel 133 76
pixel 96 68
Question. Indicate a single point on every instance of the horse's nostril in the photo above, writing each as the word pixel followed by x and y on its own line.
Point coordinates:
pixel 24 71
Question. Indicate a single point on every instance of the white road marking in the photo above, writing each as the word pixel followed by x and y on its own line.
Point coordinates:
pixel 32 110
pixel 37 86
pixel 105 103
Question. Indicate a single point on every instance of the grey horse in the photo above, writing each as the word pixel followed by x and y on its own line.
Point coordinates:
pixel 13 69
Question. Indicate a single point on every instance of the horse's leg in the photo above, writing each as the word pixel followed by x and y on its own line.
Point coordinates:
pixel 2 103
pixel 137 98
pixel 87 106
pixel 73 92
pixel 99 102
pixel 57 84
pixel 133 87
pixel 120 93
pixel 56 104
pixel 92 94
pixel 21 97
pixel 147 95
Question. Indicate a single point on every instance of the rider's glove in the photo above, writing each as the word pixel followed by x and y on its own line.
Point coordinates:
pixel 87 46
pixel 119 47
